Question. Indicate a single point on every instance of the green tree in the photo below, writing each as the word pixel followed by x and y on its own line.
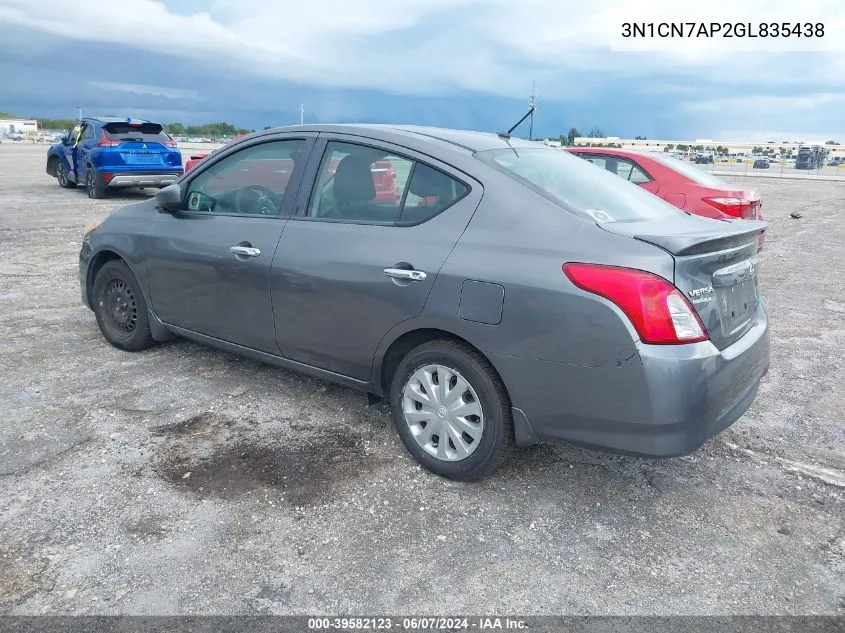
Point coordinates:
pixel 640 138
pixel 572 135
pixel 595 133
pixel 831 143
pixel 175 129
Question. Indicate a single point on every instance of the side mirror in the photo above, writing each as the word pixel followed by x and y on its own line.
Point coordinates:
pixel 170 198
pixel 63 139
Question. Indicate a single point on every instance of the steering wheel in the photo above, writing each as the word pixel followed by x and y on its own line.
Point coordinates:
pixel 262 201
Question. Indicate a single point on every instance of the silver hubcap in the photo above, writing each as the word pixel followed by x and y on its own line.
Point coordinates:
pixel 443 413
pixel 60 174
pixel 90 184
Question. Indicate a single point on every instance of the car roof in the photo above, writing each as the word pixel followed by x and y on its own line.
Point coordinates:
pixel 114 119
pixel 613 150
pixel 467 140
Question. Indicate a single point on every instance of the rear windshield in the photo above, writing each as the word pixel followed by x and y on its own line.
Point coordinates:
pixel 578 185
pixel 147 132
pixel 690 171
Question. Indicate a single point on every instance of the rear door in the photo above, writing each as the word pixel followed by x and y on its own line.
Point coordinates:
pixel 351 264
pixel 208 265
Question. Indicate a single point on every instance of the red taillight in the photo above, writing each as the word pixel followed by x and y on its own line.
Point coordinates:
pixel 737 207
pixel 659 312
pixel 106 142
pixel 107 178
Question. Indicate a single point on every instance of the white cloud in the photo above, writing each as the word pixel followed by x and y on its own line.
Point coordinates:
pixel 427 46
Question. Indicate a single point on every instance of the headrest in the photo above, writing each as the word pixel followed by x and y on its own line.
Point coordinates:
pixel 353 180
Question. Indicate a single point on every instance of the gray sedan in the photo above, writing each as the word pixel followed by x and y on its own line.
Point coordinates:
pixel 498 292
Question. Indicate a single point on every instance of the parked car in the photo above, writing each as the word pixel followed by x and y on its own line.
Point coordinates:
pixel 679 183
pixel 110 153
pixel 703 159
pixel 835 162
pixel 513 293
pixel 761 163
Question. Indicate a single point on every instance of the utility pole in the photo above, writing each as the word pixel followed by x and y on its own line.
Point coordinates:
pixel 80 112
pixel 301 114
pixel 532 106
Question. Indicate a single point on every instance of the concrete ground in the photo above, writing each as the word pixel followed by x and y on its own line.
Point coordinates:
pixel 185 480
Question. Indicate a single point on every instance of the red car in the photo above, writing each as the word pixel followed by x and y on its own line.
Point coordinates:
pixel 680 183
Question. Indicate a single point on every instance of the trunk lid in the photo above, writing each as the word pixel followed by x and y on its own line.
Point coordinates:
pixel 716 267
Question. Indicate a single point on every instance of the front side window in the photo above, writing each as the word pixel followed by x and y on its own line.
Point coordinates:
pixel 88 133
pixel 576 185
pixel 358 183
pixel 251 181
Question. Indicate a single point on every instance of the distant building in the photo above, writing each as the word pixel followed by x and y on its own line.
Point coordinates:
pixel 734 148
pixel 17 127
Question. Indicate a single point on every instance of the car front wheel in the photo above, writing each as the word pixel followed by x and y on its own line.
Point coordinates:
pixel 120 308
pixel 451 410
pixel 61 175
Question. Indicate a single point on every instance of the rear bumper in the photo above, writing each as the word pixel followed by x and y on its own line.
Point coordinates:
pixel 651 400
pixel 120 179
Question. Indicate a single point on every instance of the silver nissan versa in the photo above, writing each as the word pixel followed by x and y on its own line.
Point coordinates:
pixel 508 293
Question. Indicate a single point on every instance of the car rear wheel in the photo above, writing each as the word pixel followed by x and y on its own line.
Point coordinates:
pixel 61 175
pixel 451 410
pixel 95 190
pixel 120 308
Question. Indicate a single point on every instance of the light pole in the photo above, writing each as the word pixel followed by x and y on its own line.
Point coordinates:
pixel 532 107
pixel 80 112
pixel 301 114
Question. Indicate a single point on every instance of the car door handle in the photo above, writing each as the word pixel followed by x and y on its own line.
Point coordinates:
pixel 245 251
pixel 403 273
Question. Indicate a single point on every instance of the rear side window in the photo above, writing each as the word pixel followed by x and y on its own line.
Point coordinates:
pixel 144 132
pixel 429 192
pixel 622 167
pixel 363 184
pixel 575 184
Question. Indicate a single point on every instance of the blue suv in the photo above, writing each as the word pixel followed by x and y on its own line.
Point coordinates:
pixel 109 153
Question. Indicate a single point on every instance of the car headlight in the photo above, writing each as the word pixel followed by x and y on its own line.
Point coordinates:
pixel 93 225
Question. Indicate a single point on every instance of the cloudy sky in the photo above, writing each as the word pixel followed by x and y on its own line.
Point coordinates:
pixel 455 63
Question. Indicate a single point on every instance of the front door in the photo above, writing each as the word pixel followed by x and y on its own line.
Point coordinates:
pixel 209 264
pixel 69 148
pixel 83 150
pixel 357 259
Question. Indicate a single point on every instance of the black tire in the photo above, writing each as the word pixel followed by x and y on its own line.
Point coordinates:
pixel 95 190
pixel 61 175
pixel 497 437
pixel 120 308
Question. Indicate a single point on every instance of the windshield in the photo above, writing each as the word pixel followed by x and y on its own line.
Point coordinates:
pixel 578 185
pixel 690 171
pixel 146 132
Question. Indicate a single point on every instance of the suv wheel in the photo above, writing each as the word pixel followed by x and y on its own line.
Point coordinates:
pixel 95 190
pixel 61 175
pixel 120 308
pixel 451 410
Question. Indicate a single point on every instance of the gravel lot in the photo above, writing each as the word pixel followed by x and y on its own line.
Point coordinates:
pixel 185 480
